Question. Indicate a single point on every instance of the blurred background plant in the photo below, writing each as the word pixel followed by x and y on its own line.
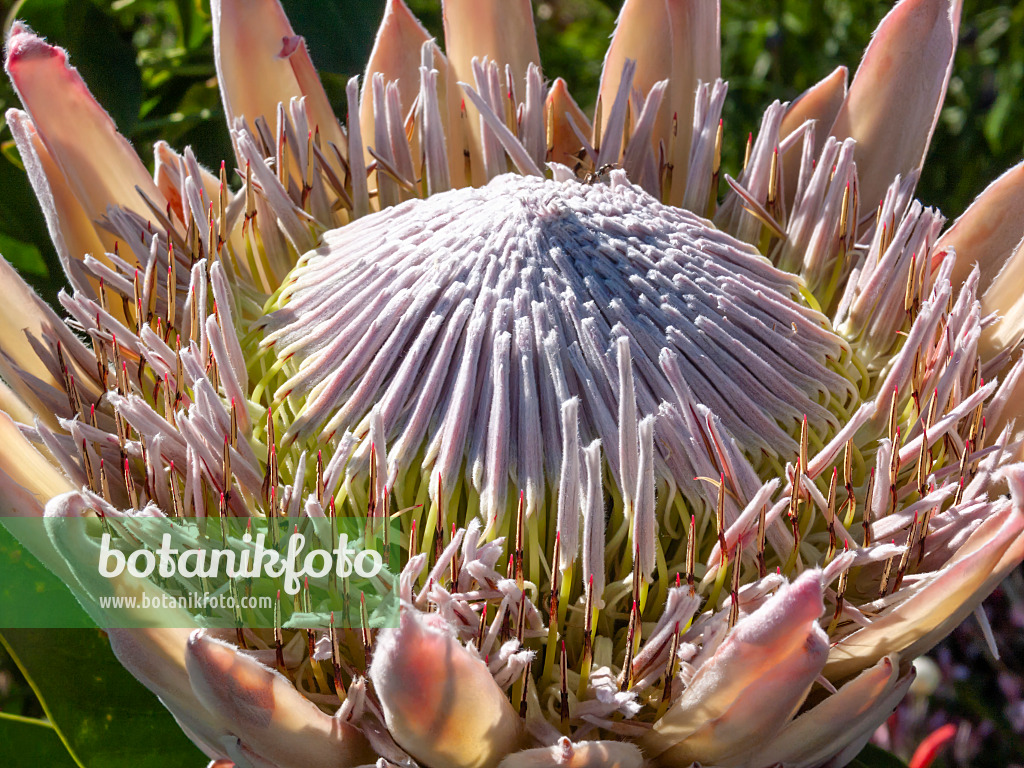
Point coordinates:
pixel 150 63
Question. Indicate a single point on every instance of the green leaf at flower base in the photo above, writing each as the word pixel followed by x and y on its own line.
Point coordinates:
pixel 876 757
pixel 29 743
pixel 30 595
pixel 105 717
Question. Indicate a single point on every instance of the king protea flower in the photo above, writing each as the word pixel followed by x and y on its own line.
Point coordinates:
pixel 683 479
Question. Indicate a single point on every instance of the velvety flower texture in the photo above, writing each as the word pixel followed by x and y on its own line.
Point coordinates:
pixel 673 489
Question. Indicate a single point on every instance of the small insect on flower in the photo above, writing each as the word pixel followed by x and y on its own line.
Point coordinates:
pixel 655 457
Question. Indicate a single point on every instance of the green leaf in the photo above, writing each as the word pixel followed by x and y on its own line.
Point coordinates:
pixel 106 718
pixel 38 594
pixel 24 256
pixel 28 743
pixel 876 757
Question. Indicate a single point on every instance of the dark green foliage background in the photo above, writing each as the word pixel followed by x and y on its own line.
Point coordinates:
pixel 150 63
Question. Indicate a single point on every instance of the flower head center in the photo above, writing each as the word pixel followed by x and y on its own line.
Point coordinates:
pixel 466 321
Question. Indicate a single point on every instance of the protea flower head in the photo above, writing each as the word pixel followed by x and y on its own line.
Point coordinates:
pixel 682 479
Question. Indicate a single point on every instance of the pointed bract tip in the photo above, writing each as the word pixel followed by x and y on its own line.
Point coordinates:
pixel 24 44
pixel 399 9
pixel 559 87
